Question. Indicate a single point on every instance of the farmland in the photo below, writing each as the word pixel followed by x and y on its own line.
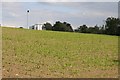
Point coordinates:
pixel 48 54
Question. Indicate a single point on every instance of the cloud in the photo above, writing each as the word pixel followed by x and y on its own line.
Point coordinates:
pixel 76 13
pixel 19 0
pixel 78 0
pixel 60 0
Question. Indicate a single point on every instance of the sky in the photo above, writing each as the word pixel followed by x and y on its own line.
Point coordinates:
pixel 76 13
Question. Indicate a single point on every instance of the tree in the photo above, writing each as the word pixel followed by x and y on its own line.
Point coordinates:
pixel 118 31
pixel 112 26
pixel 83 29
pixel 91 30
pixel 96 29
pixel 59 26
pixel 21 27
pixel 68 27
pixel 47 26
pixel 102 29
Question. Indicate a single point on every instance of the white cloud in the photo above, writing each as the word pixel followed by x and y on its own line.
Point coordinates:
pixel 60 0
pixel 78 13
pixel 78 0
pixel 19 0
pixel 14 15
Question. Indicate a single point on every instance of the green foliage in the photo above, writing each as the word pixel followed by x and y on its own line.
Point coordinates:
pixel 112 26
pixel 58 26
pixel 83 29
pixel 47 26
pixel 94 30
pixel 21 27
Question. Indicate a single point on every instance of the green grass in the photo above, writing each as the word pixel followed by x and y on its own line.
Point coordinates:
pixel 31 53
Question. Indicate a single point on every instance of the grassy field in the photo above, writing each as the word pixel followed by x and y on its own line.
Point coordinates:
pixel 31 53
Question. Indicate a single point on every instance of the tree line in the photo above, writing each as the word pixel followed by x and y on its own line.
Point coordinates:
pixel 111 27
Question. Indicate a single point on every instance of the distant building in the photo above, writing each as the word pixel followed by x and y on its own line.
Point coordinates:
pixel 37 27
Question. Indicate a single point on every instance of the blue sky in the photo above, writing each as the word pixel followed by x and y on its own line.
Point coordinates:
pixel 76 13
